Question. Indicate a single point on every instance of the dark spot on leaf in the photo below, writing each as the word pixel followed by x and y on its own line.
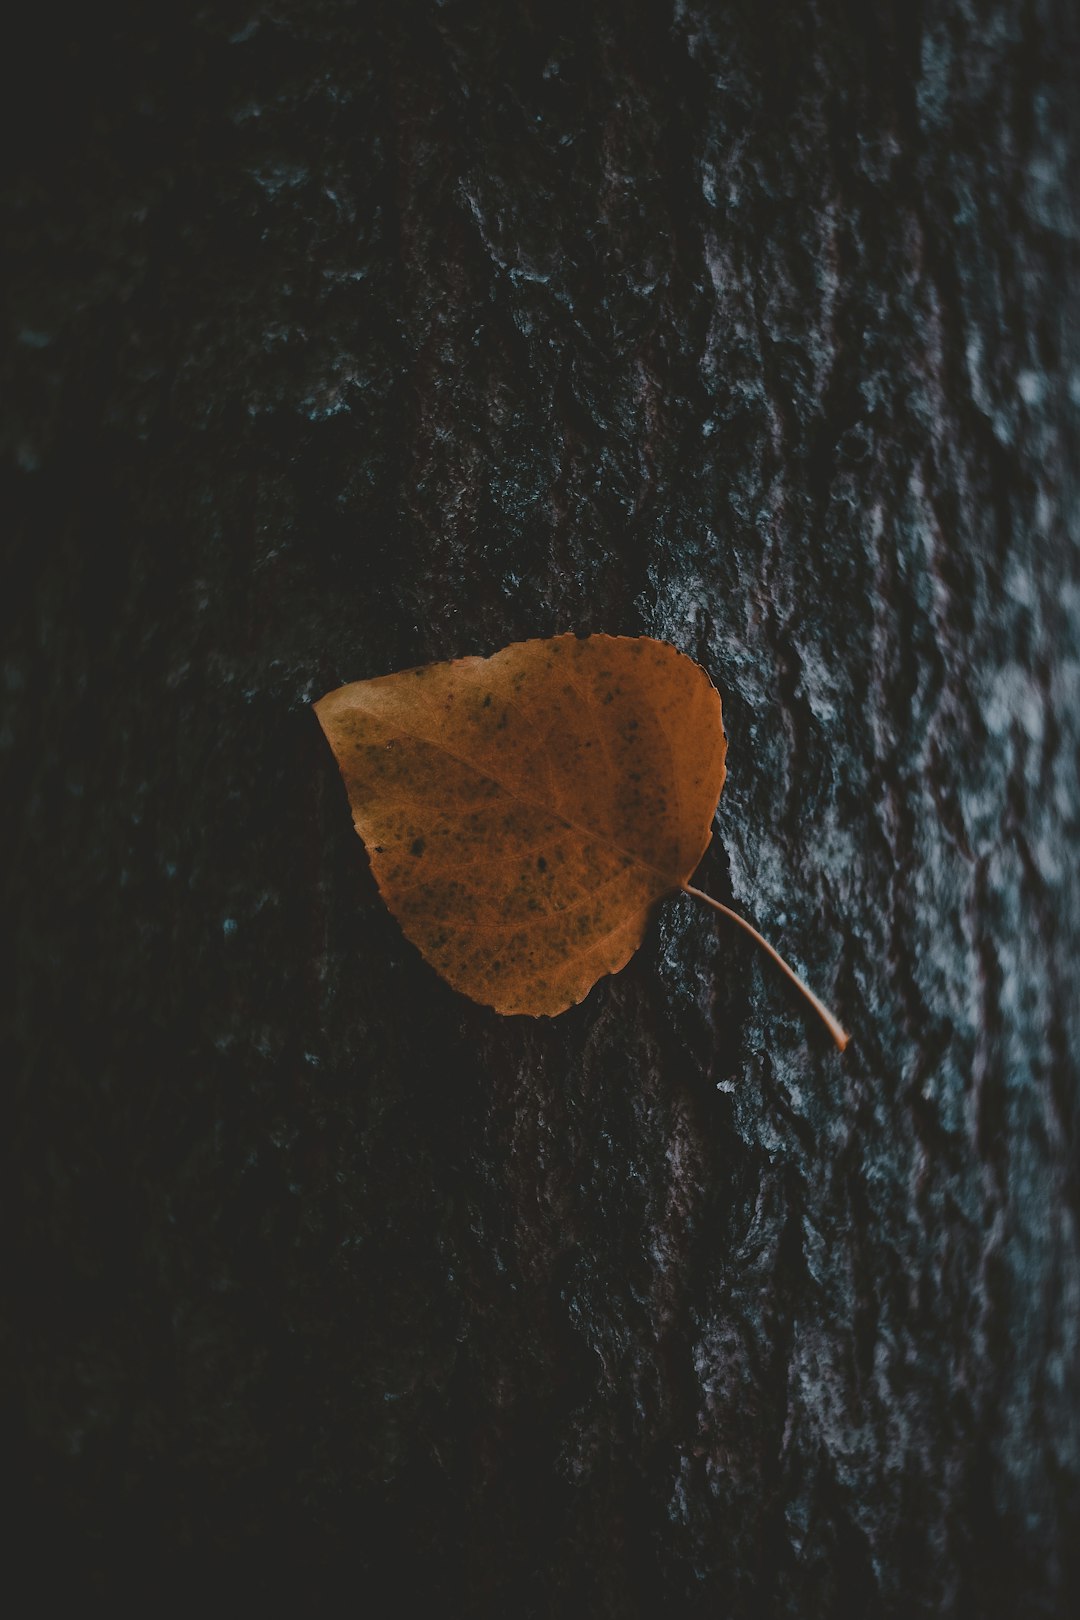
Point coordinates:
pixel 416 847
pixel 541 864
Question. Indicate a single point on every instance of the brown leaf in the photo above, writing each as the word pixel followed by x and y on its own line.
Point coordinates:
pixel 523 813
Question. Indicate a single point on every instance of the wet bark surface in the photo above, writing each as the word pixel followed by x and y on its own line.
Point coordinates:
pixel 343 339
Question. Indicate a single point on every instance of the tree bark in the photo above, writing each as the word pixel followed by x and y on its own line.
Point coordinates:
pixel 348 338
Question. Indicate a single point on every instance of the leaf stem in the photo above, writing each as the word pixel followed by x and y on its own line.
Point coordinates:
pixel 836 1029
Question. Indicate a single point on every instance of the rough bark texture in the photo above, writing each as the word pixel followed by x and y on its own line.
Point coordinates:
pixel 345 338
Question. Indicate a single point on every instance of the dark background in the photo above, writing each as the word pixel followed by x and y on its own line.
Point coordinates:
pixel 343 338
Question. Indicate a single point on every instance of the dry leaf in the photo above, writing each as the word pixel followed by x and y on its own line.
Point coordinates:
pixel 524 813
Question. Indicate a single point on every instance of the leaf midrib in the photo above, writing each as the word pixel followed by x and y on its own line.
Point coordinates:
pixel 671 883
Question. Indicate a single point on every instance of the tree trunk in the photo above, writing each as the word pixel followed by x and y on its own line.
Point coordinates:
pixel 349 338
